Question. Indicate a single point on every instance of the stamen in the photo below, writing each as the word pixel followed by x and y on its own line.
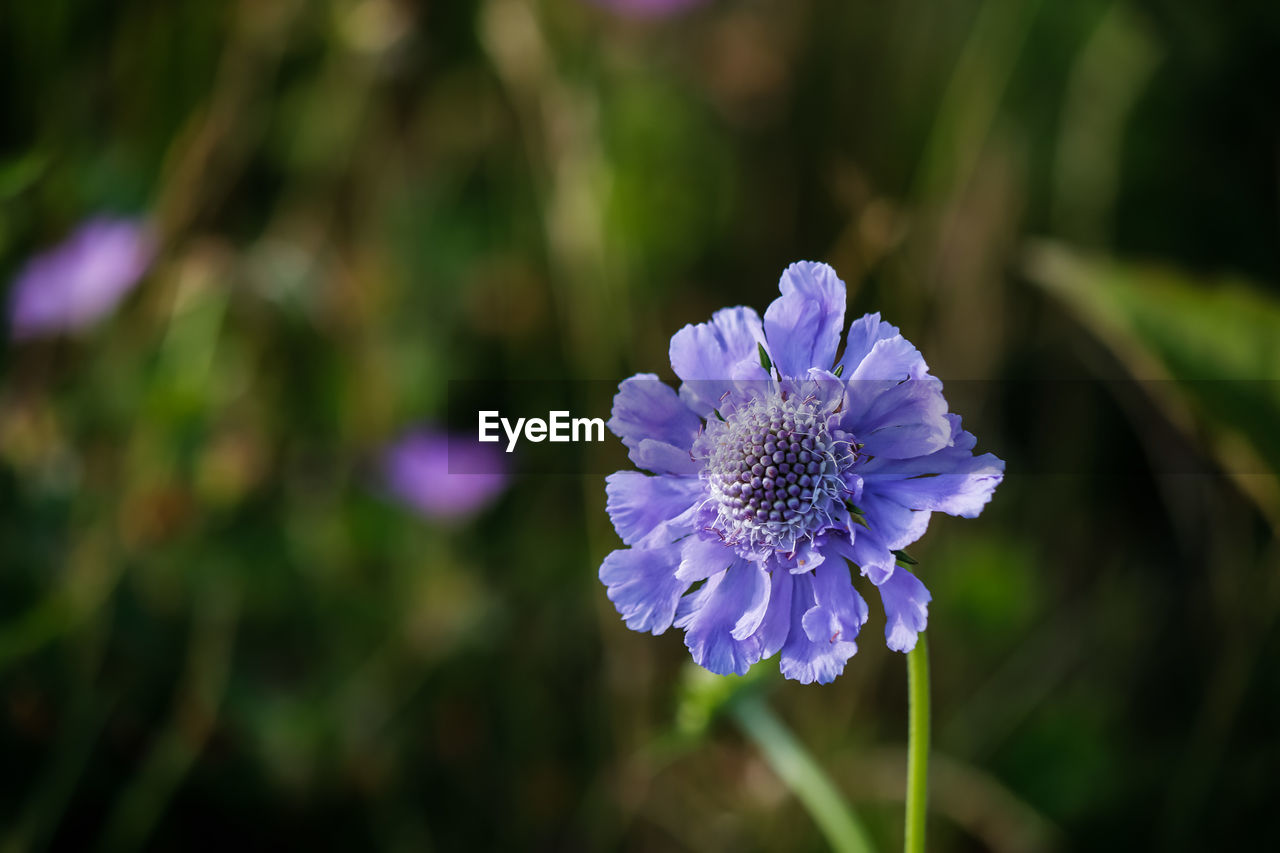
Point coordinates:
pixel 774 470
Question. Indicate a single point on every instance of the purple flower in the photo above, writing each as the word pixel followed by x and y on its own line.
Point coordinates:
pixel 81 280
pixel 649 8
pixel 775 467
pixel 445 476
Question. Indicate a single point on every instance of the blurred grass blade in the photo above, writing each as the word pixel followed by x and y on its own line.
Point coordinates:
pixel 1107 78
pixel 799 772
pixel 1219 340
pixel 971 103
pixel 177 747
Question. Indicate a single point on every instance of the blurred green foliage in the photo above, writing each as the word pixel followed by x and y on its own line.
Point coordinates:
pixel 215 628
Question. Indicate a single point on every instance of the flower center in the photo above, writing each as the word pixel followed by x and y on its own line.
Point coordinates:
pixel 773 468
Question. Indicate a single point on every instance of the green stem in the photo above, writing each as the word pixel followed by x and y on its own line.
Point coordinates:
pixel 917 746
pixel 801 773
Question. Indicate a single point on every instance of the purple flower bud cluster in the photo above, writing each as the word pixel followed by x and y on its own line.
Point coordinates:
pixel 772 467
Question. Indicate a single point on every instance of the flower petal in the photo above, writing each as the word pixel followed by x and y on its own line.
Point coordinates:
pixel 802 659
pixel 705 356
pixel 773 630
pixel 803 324
pixel 870 554
pixel 902 441
pixel 717 635
pixel 896 525
pixel 866 550
pixel 701 558
pixel 906 609
pixel 754 615
pixel 951 480
pixel 645 407
pixel 841 611
pixel 963 487
pixel 807 555
pixel 819 387
pixel 893 406
pixel 648 509
pixel 864 332
pixel 662 458
pixel 890 359
pixel 643 586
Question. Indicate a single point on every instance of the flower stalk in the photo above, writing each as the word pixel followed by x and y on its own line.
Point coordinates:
pixel 917 746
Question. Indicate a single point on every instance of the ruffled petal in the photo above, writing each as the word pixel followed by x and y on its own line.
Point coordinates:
pixel 960 438
pixel 706 356
pixel 819 386
pixel 803 324
pixel 662 458
pixel 892 360
pixel 841 611
pixel 896 525
pixel 701 558
pixel 717 634
pixel 647 409
pixel 868 552
pixel 906 609
pixel 753 617
pixel 963 487
pixel 893 407
pixel 691 602
pixel 651 510
pixel 872 556
pixel 864 332
pixel 951 480
pixel 905 440
pixel 643 586
pixel 808 555
pixel 773 630
pixel 802 659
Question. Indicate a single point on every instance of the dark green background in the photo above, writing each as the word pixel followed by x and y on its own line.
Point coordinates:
pixel 214 630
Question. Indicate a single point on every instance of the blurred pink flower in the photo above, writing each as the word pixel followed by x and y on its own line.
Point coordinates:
pixel 441 475
pixel 81 280
pixel 649 8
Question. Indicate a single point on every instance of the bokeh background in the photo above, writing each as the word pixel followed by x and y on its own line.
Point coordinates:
pixel 220 624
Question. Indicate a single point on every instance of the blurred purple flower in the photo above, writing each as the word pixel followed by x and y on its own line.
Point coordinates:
pixel 649 8
pixel 79 281
pixel 417 471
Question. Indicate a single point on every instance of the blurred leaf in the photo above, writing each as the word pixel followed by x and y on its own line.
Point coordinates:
pixel 703 696
pixel 1219 339
pixel 18 173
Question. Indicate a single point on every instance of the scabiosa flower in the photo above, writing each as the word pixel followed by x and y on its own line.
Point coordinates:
pixel 443 476
pixel 774 468
pixel 78 282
